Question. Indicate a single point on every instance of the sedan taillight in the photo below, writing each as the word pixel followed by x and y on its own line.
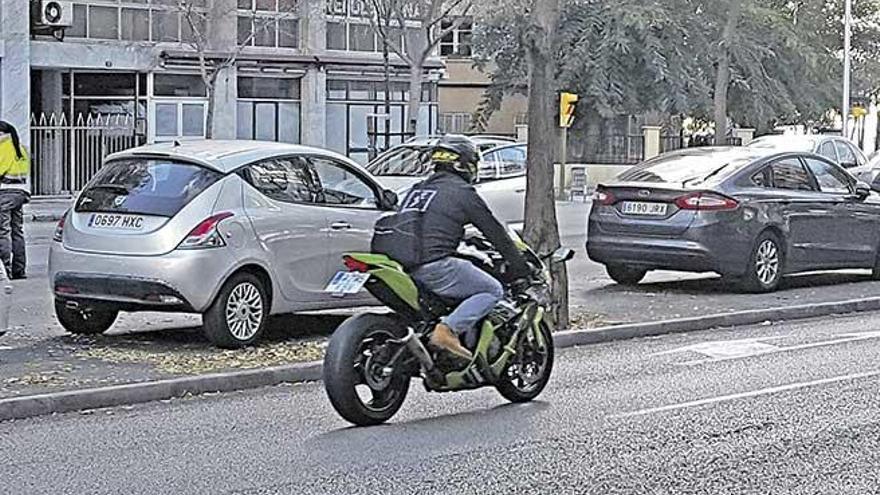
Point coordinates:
pixel 705 201
pixel 59 228
pixel 604 197
pixel 206 235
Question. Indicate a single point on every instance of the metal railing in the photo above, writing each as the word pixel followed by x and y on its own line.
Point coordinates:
pixel 66 155
pixel 671 143
pixel 612 150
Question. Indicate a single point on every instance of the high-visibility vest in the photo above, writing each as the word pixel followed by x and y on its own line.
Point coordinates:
pixel 15 173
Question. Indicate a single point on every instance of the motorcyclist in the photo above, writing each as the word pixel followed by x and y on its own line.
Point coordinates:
pixel 449 202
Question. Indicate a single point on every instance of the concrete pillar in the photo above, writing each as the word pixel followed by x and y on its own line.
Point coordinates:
pixel 522 133
pixel 652 140
pixel 313 26
pixel 225 104
pixel 223 37
pixel 15 66
pixel 747 135
pixel 313 110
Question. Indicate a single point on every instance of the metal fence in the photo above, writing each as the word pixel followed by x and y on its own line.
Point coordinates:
pixel 65 155
pixel 671 143
pixel 611 149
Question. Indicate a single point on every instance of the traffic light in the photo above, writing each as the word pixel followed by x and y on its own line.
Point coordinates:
pixel 567 104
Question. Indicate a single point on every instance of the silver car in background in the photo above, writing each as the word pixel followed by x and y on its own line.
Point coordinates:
pixel 502 172
pixel 233 230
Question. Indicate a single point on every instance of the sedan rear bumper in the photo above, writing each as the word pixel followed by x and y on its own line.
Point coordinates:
pixel 178 281
pixel 652 253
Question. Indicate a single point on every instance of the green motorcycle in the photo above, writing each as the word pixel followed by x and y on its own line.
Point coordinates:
pixel 371 358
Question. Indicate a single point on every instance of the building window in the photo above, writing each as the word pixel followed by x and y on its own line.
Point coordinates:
pixel 269 109
pixel 179 85
pixel 357 122
pixel 457 43
pixel 157 21
pixel 268 23
pixel 348 28
pixel 455 123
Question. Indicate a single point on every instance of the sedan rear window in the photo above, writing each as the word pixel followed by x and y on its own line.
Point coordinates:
pixel 145 186
pixel 687 168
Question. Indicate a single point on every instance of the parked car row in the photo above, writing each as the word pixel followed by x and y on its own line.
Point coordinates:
pixel 235 230
pixel 752 214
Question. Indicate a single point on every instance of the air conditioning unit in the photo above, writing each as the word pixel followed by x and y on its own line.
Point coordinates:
pixel 51 14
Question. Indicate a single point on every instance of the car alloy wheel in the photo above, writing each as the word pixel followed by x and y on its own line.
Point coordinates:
pixel 767 262
pixel 244 311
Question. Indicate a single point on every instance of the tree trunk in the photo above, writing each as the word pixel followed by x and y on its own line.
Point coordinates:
pixel 541 227
pixel 722 72
pixel 209 114
pixel 415 97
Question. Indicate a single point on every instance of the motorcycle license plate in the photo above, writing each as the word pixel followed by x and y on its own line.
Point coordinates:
pixel 347 283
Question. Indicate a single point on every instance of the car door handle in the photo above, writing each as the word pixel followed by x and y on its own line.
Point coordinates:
pixel 520 191
pixel 340 225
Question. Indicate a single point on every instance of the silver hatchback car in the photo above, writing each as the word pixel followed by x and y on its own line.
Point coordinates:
pixel 234 230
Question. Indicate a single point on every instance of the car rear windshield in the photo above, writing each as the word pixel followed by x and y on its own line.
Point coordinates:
pixel 408 161
pixel 688 168
pixel 145 186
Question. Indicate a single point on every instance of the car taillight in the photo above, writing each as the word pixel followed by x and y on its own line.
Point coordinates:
pixel 354 265
pixel 59 228
pixel 206 235
pixel 703 201
pixel 604 197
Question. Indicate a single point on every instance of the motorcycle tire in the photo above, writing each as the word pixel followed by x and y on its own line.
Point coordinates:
pixel 507 385
pixel 347 365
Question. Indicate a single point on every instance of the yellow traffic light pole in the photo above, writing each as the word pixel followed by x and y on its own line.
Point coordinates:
pixel 567 102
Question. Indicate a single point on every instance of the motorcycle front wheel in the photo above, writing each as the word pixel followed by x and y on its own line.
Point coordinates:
pixel 529 369
pixel 361 385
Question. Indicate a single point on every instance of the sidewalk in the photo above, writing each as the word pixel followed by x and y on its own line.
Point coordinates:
pixel 46 209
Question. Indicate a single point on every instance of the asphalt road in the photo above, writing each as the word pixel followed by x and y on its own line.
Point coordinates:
pixel 768 409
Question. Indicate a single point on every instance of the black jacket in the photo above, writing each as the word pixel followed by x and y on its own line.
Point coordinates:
pixel 448 204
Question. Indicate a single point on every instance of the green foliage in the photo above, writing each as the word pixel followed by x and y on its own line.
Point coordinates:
pixel 636 56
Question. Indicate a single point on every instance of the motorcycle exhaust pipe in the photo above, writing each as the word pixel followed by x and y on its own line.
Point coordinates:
pixel 415 346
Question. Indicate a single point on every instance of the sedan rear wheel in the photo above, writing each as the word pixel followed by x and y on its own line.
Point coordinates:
pixel 625 275
pixel 765 265
pixel 84 320
pixel 238 316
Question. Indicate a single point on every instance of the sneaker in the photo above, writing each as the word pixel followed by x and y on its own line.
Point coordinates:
pixel 443 338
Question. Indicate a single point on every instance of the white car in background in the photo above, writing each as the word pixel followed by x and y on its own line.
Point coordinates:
pixel 502 172
pixel 233 230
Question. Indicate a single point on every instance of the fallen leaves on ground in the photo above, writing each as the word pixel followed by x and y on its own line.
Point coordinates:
pixel 197 360
pixel 580 320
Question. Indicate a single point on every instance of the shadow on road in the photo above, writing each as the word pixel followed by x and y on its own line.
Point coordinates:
pixel 717 285
pixel 463 426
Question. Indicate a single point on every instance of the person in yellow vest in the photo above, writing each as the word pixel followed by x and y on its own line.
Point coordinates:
pixel 15 192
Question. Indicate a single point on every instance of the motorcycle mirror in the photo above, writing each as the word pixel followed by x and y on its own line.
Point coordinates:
pixel 562 255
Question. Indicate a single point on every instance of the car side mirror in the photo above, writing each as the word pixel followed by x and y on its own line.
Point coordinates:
pixel 388 200
pixel 562 255
pixel 863 190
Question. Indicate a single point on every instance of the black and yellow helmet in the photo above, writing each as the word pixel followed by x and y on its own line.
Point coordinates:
pixel 457 154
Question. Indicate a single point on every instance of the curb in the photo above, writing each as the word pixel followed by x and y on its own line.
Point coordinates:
pixel 118 395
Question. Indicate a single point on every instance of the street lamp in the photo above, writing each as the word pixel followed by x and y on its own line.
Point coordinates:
pixel 847 60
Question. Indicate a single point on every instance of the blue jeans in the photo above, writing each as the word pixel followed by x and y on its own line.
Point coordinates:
pixel 456 278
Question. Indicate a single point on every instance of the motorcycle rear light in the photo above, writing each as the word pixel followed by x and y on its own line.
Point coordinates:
pixel 702 201
pixel 59 228
pixel 205 235
pixel 604 197
pixel 354 265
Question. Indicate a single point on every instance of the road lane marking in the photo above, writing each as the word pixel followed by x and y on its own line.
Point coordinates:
pixel 727 348
pixel 771 349
pixel 745 395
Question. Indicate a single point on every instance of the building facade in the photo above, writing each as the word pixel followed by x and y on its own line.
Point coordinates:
pixel 129 72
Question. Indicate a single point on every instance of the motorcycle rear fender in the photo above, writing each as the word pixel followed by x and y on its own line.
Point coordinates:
pixel 392 274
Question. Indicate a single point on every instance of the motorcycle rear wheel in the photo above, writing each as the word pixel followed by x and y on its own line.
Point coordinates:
pixel 355 368
pixel 529 370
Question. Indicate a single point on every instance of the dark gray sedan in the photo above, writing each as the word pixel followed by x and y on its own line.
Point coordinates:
pixel 750 216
